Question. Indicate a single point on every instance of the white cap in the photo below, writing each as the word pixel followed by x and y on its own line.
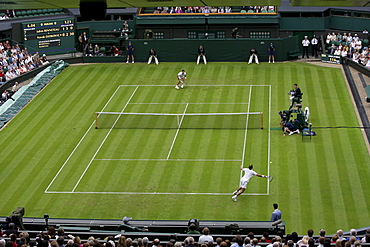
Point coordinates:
pixel 305 37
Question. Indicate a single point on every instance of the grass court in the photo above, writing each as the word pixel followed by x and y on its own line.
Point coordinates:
pixel 54 160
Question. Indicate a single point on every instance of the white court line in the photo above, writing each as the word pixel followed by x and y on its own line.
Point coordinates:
pixel 194 85
pixel 102 143
pixel 195 160
pixel 79 143
pixel 269 143
pixel 68 192
pixel 189 103
pixel 246 129
pixel 177 132
pixel 147 193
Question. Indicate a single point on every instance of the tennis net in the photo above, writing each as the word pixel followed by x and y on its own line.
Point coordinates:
pixel 128 120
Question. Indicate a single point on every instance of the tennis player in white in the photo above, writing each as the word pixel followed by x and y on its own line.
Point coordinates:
pixel 248 174
pixel 181 77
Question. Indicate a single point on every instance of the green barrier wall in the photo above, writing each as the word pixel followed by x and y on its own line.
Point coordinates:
pixel 226 50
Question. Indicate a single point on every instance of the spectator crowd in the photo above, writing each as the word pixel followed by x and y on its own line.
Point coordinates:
pixel 212 9
pixel 15 61
pixel 11 237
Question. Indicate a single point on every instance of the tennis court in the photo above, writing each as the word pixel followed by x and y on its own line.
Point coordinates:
pixel 164 147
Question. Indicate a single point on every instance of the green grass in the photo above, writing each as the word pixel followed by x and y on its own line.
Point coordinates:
pixel 318 184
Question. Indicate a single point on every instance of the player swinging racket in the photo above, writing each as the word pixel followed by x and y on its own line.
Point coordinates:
pixel 248 174
pixel 181 77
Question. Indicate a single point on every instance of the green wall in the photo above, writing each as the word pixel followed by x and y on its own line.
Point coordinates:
pixel 237 50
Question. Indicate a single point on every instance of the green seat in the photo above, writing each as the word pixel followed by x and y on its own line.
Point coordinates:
pixel 365 42
pixel 34 12
pixel 22 13
pixel 250 11
pixel 271 11
pixel 28 12
pixel 39 11
pixel 264 11
pixel 243 11
pixel 44 11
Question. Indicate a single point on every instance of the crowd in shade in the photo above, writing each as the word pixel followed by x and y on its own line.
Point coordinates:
pixel 11 237
pixel 15 61
pixel 212 9
pixel 8 14
pixel 349 45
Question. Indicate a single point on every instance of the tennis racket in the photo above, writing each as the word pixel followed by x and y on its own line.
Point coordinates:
pixel 270 178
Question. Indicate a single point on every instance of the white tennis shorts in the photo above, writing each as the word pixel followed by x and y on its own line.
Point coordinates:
pixel 244 183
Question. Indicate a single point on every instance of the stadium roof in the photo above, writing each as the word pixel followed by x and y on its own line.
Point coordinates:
pixel 45 4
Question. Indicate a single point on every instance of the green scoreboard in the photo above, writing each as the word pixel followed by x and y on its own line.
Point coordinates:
pixel 51 37
pixel 330 58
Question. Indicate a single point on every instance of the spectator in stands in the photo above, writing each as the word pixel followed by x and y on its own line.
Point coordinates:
pixel 338 243
pixel 340 234
pixel 328 38
pixel 228 9
pixel 218 241
pixel 178 10
pixel 253 55
pixel 366 238
pixel 337 52
pixel 156 243
pixel 178 244
pixel 353 232
pixel 115 51
pixel 96 50
pixel 90 50
pixel 358 45
pixel 339 37
pixel 344 52
pixel 220 10
pixel 213 10
pixel 321 241
pixel 190 242
pixel 193 229
pixel 303 241
pixel 44 60
pixel 205 237
pixel 129 242
pixel 334 238
pixel 51 232
pixel 60 241
pixel 121 241
pixel 311 242
pixel 11 228
pixel 254 242
pixel 77 240
pixel 145 242
pixel 139 242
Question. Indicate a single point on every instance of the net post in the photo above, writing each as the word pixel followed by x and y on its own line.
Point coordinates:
pixel 96 121
pixel 261 120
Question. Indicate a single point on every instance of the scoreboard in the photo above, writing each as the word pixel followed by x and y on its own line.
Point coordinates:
pixel 330 58
pixel 52 36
